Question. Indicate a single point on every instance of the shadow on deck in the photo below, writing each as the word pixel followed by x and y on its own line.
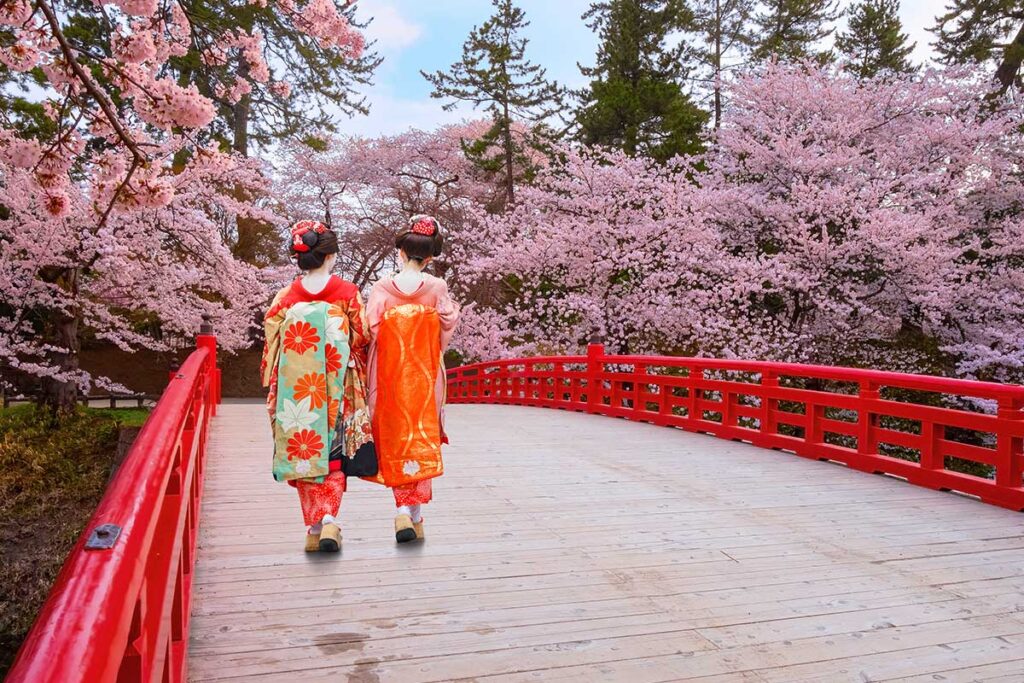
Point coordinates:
pixel 563 546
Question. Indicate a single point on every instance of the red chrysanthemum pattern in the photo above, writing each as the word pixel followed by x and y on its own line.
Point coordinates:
pixel 313 386
pixel 300 337
pixel 333 357
pixel 305 445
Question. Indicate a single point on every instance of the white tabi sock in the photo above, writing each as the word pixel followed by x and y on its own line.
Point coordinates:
pixel 414 512
pixel 317 528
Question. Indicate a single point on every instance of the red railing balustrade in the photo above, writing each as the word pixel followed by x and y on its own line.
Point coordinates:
pixel 119 609
pixel 921 428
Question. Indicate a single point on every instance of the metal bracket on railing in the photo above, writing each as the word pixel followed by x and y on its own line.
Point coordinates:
pixel 103 537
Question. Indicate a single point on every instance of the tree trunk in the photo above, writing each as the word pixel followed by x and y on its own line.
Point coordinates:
pixel 510 183
pixel 61 396
pixel 1008 69
pixel 718 64
pixel 251 244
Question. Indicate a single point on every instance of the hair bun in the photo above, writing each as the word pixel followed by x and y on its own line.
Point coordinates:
pixel 306 235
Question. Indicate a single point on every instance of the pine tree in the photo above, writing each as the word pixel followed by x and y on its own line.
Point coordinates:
pixel 790 30
pixel 979 31
pixel 722 35
pixel 874 41
pixel 323 82
pixel 494 73
pixel 635 100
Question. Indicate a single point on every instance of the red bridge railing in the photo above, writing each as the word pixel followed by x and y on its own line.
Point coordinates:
pixel 119 609
pixel 924 429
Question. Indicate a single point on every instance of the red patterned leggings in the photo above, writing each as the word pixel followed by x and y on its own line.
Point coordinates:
pixel 318 500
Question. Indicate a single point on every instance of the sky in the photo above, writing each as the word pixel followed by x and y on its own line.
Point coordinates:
pixel 414 35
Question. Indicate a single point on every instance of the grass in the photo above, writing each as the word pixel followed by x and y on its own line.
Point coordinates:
pixel 51 478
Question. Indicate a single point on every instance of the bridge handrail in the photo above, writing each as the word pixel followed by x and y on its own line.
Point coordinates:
pixel 121 613
pixel 860 428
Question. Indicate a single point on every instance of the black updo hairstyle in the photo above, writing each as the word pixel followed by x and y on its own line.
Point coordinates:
pixel 422 239
pixel 319 242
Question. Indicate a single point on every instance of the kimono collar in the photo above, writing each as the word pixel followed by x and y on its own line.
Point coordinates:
pixel 336 290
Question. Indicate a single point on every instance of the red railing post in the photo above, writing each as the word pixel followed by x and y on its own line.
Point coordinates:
pixel 931 446
pixel 1009 446
pixel 595 352
pixel 866 443
pixel 694 412
pixel 769 383
pixel 206 339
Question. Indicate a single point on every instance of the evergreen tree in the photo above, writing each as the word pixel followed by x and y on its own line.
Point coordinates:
pixel 494 73
pixel 979 31
pixel 722 35
pixel 636 101
pixel 874 41
pixel 790 30
pixel 323 82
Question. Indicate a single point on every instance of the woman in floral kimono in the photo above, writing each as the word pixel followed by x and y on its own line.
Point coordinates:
pixel 412 319
pixel 314 363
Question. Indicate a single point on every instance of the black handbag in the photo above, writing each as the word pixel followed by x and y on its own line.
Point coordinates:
pixel 363 462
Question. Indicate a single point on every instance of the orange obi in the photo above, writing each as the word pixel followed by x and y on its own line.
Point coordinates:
pixel 406 423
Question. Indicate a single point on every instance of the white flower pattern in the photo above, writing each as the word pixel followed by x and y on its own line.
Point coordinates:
pixel 335 333
pixel 299 311
pixel 411 468
pixel 296 415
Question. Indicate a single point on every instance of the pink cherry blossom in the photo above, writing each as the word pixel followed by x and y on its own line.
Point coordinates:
pixel 135 48
pixel 15 12
pixel 116 222
pixel 833 220
pixel 282 89
pixel 138 8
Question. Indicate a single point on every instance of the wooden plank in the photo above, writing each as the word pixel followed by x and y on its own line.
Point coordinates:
pixel 573 547
pixel 1002 672
pixel 779 661
pixel 947 661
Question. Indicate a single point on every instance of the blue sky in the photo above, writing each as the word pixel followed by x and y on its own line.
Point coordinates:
pixel 428 35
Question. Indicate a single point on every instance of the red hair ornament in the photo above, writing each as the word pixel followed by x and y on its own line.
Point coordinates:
pixel 302 228
pixel 424 226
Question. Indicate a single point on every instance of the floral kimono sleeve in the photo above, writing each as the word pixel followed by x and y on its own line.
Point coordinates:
pixel 448 312
pixel 272 339
pixel 272 329
pixel 375 310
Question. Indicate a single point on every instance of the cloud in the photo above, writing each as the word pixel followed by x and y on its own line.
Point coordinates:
pixel 391 30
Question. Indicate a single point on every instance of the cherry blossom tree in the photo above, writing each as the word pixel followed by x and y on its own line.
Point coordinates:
pixel 143 279
pixel 884 216
pixel 116 192
pixel 610 247
pixel 836 221
pixel 367 189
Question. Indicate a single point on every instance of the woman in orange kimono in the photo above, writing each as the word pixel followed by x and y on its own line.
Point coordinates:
pixel 411 319
pixel 314 364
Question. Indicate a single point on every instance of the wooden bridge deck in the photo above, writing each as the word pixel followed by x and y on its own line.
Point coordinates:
pixel 567 547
